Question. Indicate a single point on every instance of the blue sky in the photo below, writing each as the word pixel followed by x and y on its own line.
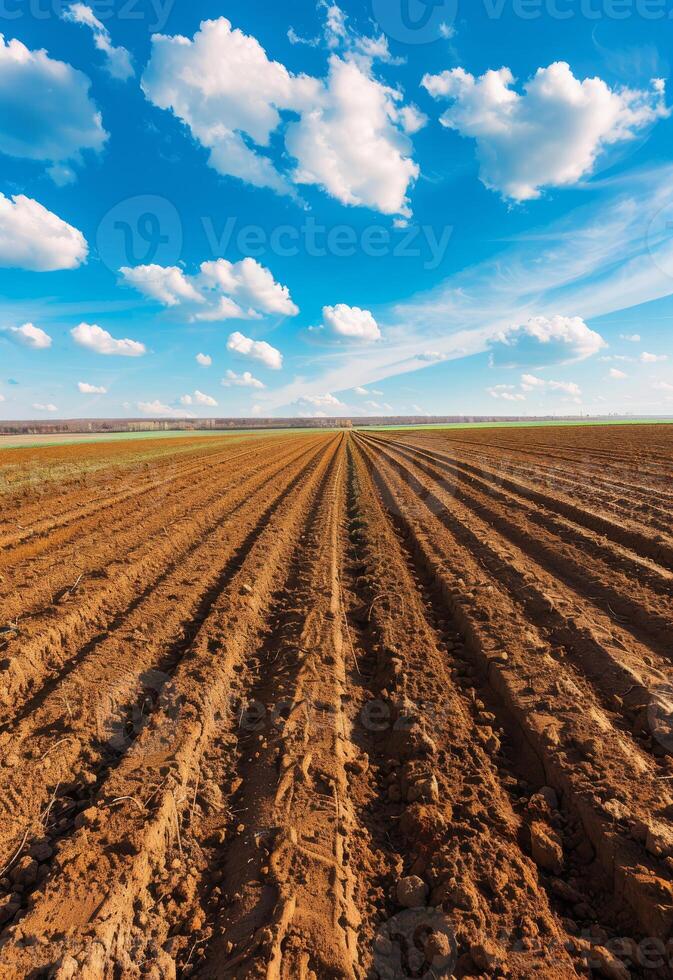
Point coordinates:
pixel 385 207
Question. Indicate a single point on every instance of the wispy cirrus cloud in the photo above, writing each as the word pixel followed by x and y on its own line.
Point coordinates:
pixel 600 258
pixel 118 61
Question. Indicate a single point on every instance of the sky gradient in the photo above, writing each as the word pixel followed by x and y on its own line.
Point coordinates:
pixel 376 208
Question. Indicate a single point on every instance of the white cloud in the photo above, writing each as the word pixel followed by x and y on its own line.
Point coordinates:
pixel 87 389
pixel 28 335
pixel 205 360
pixel 351 143
pixel 33 238
pixel 360 391
pixel 662 386
pixel 93 337
pixel 250 284
pixel 322 406
pixel 224 87
pixel 198 398
pixel 412 119
pixel 647 358
pixel 2 398
pixel 221 290
pixel 617 374
pixel 633 338
pixel 157 408
pixel 244 380
pixel 569 335
pixel 506 392
pixel 166 284
pixel 45 110
pixel 550 136
pixel 349 138
pixel 259 350
pixel 318 401
pixel 569 387
pixel 117 60
pixel 202 399
pixel 591 262
pixel 41 407
pixel 351 322
pixel 529 382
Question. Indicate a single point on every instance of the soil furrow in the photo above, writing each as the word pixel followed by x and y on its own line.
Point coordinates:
pixel 629 601
pixel 289 867
pixel 32 576
pixel 45 643
pixel 625 674
pixel 35 525
pixel 103 703
pixel 458 827
pixel 614 791
pixel 642 545
pixel 348 705
pixel 135 824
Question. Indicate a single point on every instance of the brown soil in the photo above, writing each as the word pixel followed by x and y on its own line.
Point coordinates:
pixel 338 706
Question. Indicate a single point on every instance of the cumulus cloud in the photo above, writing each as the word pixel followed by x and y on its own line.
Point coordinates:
pixel 45 110
pixel 506 392
pixel 33 238
pixel 42 407
pixel 352 142
pixel 205 360
pixel 617 374
pixel 198 398
pixel 157 408
pixel 94 338
pixel 662 386
pixel 412 119
pixel 349 138
pixel 569 337
pixel 87 389
pixel 221 290
pixel 648 358
pixel 250 284
pixel 258 350
pixel 28 335
pixel 244 380
pixel 319 406
pixel 166 284
pixel 529 382
pixel 633 338
pixel 351 322
pixel 222 85
pixel 549 136
pixel 326 400
pixel 118 61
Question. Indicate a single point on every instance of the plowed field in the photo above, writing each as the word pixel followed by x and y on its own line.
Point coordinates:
pixel 338 705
